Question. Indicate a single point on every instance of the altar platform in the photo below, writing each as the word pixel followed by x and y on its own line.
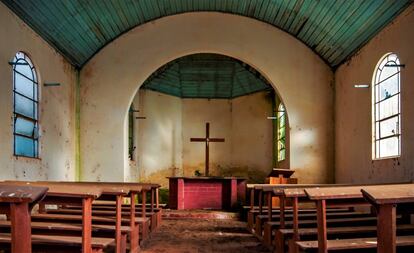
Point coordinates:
pixel 216 193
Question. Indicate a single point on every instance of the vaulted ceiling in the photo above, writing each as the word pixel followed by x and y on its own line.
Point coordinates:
pixel 334 29
pixel 206 76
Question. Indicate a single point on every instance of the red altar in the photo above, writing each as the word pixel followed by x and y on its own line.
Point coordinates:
pixel 206 192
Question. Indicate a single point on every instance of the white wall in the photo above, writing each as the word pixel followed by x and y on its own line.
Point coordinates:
pixel 353 148
pixel 112 77
pixel 163 138
pixel 158 138
pixel 56 105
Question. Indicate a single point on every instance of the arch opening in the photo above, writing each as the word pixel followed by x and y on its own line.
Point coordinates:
pixel 177 101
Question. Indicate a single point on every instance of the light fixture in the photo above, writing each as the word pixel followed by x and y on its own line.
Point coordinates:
pixel 361 85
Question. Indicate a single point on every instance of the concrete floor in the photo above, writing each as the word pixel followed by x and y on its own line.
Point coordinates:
pixel 202 236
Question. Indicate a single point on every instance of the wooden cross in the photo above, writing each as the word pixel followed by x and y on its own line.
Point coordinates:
pixel 207 140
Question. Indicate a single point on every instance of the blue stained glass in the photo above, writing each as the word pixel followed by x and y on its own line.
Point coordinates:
pixel 25 127
pixel 24 106
pixel 24 146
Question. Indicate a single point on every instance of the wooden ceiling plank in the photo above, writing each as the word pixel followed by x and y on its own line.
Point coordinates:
pixel 347 29
pixel 358 27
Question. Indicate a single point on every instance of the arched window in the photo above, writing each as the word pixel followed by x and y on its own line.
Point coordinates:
pixel 281 133
pixel 26 104
pixel 387 108
pixel 131 134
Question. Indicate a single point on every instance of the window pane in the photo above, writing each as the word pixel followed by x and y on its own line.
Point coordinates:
pixel 282 133
pixel 25 127
pixel 377 149
pixel 389 127
pixel 389 107
pixel 282 121
pixel 23 85
pixel 24 146
pixel 389 147
pixel 24 106
pixel 389 87
pixel 388 71
pixel 24 69
pixel 282 155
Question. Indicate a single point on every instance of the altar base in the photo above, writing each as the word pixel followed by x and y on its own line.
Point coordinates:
pixel 217 193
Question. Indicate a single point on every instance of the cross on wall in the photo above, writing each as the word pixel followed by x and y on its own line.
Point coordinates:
pixel 207 141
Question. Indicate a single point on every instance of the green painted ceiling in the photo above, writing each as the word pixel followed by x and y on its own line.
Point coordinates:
pixel 206 76
pixel 334 29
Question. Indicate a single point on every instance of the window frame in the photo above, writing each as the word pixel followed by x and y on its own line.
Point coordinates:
pixel 281 112
pixel 22 58
pixel 384 62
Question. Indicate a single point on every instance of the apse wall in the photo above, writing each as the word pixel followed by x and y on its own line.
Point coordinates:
pixel 354 163
pixel 56 160
pixel 112 77
pixel 163 138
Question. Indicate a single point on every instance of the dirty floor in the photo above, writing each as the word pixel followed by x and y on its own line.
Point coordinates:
pixel 202 236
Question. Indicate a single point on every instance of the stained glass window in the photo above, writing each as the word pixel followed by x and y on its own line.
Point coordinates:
pixel 387 108
pixel 26 104
pixel 281 133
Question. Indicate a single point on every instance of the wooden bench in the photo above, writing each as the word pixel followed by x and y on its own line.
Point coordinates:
pixel 284 235
pixel 17 202
pixel 354 243
pixel 271 191
pixel 43 243
pixel 67 229
pixel 335 196
pixel 385 198
pixel 66 195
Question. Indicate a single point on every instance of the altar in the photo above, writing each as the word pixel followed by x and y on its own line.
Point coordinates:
pixel 218 193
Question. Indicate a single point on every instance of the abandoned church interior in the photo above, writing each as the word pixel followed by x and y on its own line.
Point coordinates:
pixel 190 126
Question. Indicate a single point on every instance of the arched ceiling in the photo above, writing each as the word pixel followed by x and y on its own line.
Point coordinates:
pixel 334 29
pixel 206 76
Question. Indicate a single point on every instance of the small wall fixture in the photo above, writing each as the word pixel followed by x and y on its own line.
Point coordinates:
pixel 361 85
pixel 51 84
pixel 18 63
pixel 272 117
pixel 395 65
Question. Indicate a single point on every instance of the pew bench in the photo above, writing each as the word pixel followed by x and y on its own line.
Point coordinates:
pixel 385 199
pixel 67 229
pixel 339 196
pixel 360 244
pixel 53 243
pixel 284 236
pixel 17 202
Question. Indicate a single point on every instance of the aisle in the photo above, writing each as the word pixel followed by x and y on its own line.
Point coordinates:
pixel 202 236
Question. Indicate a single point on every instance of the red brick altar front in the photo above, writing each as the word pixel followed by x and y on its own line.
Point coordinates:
pixel 206 192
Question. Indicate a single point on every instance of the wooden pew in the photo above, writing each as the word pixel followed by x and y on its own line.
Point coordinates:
pixel 154 205
pixel 270 191
pixel 17 201
pixel 340 196
pixel 108 192
pixel 109 189
pixel 385 198
pixel 66 195
pixel 296 195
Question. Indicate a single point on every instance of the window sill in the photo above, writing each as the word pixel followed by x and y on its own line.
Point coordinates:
pixel 386 158
pixel 17 157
